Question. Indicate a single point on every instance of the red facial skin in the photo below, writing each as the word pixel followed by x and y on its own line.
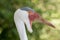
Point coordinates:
pixel 34 16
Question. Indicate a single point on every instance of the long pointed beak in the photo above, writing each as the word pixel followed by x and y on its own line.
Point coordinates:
pixel 40 19
pixel 36 16
pixel 45 22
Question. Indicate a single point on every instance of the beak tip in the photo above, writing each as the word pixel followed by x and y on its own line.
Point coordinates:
pixel 53 26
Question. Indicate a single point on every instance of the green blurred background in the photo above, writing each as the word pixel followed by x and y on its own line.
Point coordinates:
pixel 48 9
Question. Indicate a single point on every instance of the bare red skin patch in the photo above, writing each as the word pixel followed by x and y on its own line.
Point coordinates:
pixel 32 17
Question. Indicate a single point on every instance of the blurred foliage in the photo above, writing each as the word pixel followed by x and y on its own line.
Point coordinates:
pixel 48 9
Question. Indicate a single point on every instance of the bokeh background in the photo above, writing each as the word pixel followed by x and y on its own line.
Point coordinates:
pixel 48 9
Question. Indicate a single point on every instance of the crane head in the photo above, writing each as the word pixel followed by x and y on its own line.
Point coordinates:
pixel 35 16
pixel 26 16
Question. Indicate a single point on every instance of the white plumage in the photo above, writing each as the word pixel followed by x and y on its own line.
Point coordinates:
pixel 21 18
